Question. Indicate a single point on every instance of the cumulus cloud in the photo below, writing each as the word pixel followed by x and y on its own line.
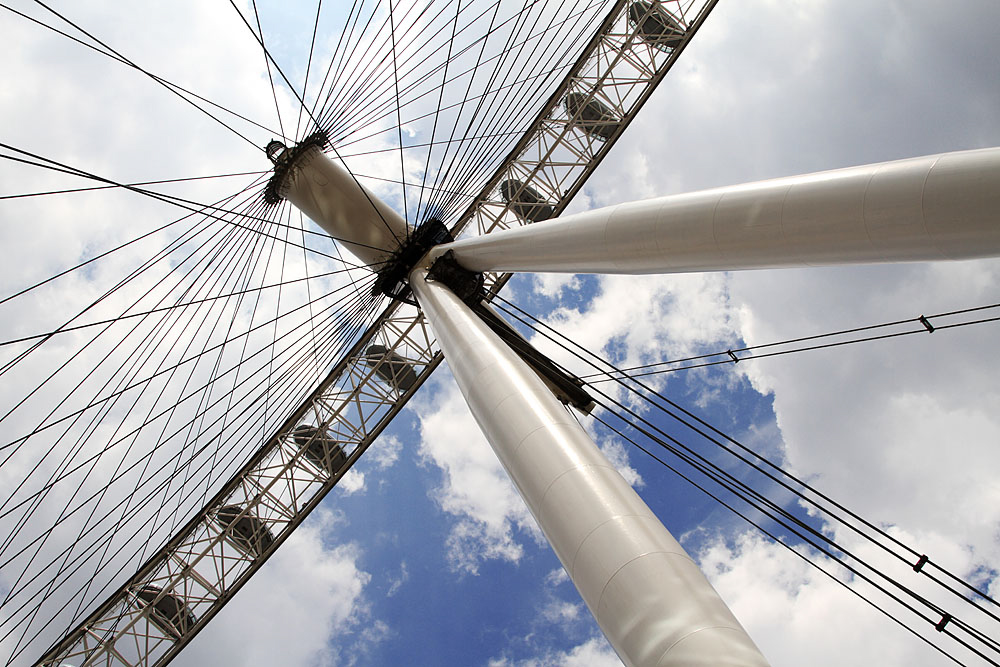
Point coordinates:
pixel 896 415
pixel 901 431
pixel 795 612
pixel 593 653
pixel 352 482
pixel 553 285
pixel 646 318
pixel 563 621
pixel 385 451
pixel 474 487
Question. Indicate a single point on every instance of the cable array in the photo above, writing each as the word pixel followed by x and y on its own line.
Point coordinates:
pixel 195 353
pixel 163 380
pixel 784 507
pixel 497 70
pixel 890 330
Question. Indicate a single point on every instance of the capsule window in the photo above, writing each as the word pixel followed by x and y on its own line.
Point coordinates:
pixel 248 533
pixel 525 202
pixel 391 367
pixel 591 116
pixel 320 449
pixel 168 612
pixel 655 25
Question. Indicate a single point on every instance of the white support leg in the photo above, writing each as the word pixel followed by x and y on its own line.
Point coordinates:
pixel 929 208
pixel 650 599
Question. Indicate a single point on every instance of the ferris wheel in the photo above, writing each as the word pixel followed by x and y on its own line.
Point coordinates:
pixel 218 371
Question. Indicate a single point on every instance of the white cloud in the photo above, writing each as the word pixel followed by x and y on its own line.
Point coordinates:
pixel 371 634
pixel 556 577
pixel 475 489
pixel 902 431
pixel 647 317
pixel 385 451
pixel 559 622
pixel 795 613
pixel 561 611
pixel 352 482
pixel 614 450
pixel 383 454
pixel 553 284
pixel 395 583
pixel 595 652
pixel 877 420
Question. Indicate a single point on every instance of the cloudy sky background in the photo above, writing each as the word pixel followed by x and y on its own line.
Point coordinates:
pixel 425 554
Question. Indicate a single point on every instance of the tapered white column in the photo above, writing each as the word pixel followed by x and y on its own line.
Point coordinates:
pixel 350 213
pixel 930 208
pixel 650 599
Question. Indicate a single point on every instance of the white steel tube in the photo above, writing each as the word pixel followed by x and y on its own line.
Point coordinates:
pixel 929 208
pixel 346 210
pixel 648 596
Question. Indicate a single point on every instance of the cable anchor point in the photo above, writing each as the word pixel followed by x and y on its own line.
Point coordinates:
pixel 469 287
pixel 393 277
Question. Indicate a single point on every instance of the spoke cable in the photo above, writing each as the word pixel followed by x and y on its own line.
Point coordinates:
pixel 122 59
pixel 785 518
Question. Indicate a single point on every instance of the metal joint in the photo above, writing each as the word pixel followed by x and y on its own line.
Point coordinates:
pixel 467 285
pixel 567 387
pixel 392 278
pixel 285 158
pixel 939 626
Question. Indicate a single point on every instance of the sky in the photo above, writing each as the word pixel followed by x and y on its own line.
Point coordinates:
pixel 424 554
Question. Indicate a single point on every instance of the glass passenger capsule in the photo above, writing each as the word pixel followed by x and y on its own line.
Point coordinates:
pixel 655 25
pixel 525 201
pixel 591 116
pixel 248 533
pixel 391 367
pixel 169 613
pixel 319 449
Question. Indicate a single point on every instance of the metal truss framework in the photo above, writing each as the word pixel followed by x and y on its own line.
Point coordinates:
pixel 179 589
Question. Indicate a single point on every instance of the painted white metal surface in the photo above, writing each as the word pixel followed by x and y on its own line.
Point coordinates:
pixel 929 208
pixel 345 209
pixel 650 599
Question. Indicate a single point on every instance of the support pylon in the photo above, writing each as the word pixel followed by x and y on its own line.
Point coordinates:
pixel 930 208
pixel 648 596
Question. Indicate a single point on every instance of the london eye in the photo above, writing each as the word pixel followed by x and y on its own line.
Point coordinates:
pixel 216 416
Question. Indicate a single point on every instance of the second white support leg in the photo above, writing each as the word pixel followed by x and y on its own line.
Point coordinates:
pixel 648 596
pixel 922 209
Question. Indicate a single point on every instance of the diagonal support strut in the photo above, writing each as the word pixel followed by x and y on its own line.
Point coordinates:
pixel 648 596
